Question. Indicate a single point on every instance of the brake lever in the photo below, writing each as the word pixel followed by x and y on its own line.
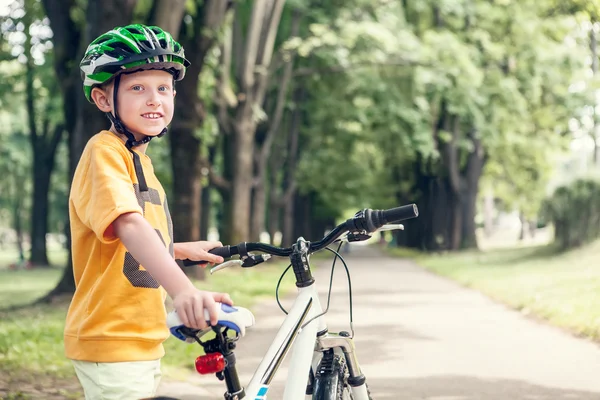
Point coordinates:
pixel 226 264
pixel 360 236
pixel 391 227
pixel 249 261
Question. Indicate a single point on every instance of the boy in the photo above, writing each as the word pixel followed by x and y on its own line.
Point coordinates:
pixel 120 221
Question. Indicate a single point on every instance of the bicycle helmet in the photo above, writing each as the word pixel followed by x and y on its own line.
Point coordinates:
pixel 129 49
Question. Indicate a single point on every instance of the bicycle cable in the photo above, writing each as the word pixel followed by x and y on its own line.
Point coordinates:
pixel 337 255
pixel 349 284
pixel 277 289
pixel 328 296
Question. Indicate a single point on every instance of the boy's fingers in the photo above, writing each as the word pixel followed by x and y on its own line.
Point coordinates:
pixel 186 317
pixel 199 314
pixel 223 298
pixel 183 317
pixel 210 305
pixel 213 258
pixel 213 244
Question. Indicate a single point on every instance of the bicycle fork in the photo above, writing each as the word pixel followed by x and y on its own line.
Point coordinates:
pixel 343 341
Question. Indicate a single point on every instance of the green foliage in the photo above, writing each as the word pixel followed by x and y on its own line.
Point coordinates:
pixel 575 211
pixel 16 49
pixel 506 69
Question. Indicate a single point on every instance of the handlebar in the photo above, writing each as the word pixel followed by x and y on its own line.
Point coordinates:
pixel 364 221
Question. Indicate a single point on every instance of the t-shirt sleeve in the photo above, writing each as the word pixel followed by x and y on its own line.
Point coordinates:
pixel 107 191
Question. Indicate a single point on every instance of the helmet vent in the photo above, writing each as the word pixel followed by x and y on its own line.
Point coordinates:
pixel 135 31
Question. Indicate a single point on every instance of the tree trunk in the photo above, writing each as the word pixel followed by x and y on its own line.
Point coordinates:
pixel 241 181
pixel 185 159
pixel 488 213
pixel 196 38
pixel 168 14
pixel 523 229
pixel 302 219
pixel 82 119
pixel 259 210
pixel 17 221
pixel 594 56
pixel 274 179
pixel 289 195
pixel 264 151
pixel 43 166
pixel 44 149
pixel 253 49
pixel 455 229
pixel 39 212
pixel 274 218
pixel 435 228
pixel 472 175
pixel 288 221
pixel 205 209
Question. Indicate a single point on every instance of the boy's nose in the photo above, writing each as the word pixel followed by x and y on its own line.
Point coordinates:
pixel 153 99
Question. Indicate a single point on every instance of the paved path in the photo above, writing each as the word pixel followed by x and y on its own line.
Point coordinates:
pixel 420 336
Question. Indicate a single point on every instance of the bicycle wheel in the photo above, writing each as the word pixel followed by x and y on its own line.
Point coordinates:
pixel 331 379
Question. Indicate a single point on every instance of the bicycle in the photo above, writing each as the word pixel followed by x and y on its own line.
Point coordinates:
pixel 327 359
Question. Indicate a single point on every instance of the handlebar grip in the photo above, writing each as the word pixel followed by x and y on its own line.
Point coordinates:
pixel 224 252
pixel 400 213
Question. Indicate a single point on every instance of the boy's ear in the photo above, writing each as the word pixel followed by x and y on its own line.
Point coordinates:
pixel 100 97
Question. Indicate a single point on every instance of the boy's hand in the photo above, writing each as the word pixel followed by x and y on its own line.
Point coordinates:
pixel 197 251
pixel 191 303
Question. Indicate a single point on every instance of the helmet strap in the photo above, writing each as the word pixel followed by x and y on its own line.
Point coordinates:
pixel 131 142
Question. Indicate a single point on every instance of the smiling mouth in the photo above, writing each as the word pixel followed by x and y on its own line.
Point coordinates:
pixel 152 115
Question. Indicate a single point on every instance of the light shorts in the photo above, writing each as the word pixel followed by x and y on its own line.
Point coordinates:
pixel 118 381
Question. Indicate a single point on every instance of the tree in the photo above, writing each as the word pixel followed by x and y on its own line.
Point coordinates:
pixel 197 37
pixel 44 135
pixel 82 120
pixel 248 59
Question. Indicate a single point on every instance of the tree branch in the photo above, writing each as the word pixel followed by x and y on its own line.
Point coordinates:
pixel 225 98
pixel 267 42
pixel 168 14
pixel 213 14
pixel 54 141
pixel 266 51
pixel 246 77
pixel 215 179
pixel 281 97
pixel 64 32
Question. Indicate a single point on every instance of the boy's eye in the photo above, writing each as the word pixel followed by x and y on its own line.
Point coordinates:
pixel 164 88
pixel 136 87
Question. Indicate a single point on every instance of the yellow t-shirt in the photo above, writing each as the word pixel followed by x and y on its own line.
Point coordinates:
pixel 117 312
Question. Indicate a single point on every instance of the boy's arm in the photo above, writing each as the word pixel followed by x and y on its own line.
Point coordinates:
pixel 145 246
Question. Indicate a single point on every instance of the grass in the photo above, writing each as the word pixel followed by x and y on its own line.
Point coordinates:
pixel 561 288
pixel 56 256
pixel 31 338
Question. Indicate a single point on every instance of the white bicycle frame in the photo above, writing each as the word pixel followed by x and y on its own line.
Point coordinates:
pixel 307 350
pixel 308 342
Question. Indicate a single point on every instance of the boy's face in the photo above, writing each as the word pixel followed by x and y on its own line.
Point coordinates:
pixel 145 100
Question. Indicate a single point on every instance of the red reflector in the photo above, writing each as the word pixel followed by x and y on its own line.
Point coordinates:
pixel 210 363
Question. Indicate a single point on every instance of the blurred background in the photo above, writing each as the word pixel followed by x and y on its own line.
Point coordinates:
pixel 295 114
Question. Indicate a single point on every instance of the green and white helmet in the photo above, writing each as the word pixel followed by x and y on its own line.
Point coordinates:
pixel 130 47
